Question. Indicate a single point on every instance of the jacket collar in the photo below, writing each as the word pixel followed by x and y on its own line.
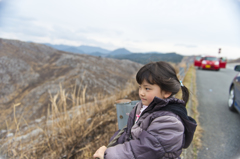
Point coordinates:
pixel 158 103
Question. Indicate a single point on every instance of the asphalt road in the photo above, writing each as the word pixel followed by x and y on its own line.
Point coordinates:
pixel 221 136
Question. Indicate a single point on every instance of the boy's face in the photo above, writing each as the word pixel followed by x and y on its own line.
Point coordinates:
pixel 147 92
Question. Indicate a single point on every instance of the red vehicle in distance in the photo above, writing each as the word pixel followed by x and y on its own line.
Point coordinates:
pixel 210 62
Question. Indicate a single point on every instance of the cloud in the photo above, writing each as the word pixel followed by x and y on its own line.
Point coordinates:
pixel 163 26
pixel 186 45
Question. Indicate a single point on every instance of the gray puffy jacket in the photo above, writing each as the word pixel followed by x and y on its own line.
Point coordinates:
pixel 161 132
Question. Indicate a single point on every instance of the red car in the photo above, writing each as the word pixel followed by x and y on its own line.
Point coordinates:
pixel 210 62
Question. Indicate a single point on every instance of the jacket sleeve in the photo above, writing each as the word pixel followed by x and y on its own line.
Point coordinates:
pixel 163 138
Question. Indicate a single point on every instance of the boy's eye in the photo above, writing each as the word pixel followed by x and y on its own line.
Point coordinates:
pixel 147 88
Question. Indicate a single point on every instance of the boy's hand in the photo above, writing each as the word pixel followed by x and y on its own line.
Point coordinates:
pixel 100 152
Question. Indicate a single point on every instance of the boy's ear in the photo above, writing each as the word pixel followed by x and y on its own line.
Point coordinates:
pixel 166 94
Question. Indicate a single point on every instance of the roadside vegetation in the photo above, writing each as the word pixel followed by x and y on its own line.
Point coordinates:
pixel 190 82
pixel 197 143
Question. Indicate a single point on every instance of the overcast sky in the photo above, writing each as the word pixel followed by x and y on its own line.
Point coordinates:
pixel 188 27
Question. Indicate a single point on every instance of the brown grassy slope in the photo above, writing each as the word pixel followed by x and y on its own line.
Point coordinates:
pixel 30 71
pixel 72 134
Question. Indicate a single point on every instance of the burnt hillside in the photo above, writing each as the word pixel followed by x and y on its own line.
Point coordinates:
pixel 29 72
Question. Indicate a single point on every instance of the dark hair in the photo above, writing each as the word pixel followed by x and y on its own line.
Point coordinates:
pixel 164 75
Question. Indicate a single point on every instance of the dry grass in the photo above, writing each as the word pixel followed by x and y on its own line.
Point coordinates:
pixel 190 82
pixel 75 133
pixel 197 143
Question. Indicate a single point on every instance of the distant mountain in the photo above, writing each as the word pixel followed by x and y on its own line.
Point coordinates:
pixel 154 52
pixel 73 50
pixel 83 49
pixel 91 49
pixel 58 47
pixel 144 58
pixel 99 54
pixel 121 51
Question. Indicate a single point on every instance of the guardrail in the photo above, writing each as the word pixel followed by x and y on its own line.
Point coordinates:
pixel 124 107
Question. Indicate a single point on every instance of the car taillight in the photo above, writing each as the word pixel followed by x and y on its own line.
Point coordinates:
pixel 216 63
pixel 204 62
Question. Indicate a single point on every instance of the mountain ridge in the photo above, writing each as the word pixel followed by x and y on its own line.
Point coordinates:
pixel 123 53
